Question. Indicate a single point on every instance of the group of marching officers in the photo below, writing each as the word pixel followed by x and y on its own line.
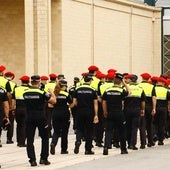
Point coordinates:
pixel 106 108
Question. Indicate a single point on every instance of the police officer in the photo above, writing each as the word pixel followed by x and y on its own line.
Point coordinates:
pixel 61 117
pixel 163 105
pixel 4 83
pixel 35 99
pixel 76 83
pixel 4 110
pixel 150 110
pixel 99 127
pixel 87 113
pixel 112 108
pixel 134 107
pixel 49 107
pixel 44 81
pixel 10 76
pixel 20 112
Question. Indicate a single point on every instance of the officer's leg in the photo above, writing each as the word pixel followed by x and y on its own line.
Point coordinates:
pixel 135 125
pixel 88 135
pixel 43 130
pixel 108 136
pixel 10 128
pixel 142 128
pixel 30 132
pixel 64 136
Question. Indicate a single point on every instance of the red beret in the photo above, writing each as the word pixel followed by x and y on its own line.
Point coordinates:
pixel 111 70
pixel 9 74
pixel 128 76
pixel 25 78
pixel 101 75
pixel 2 68
pixel 111 75
pixel 162 80
pixel 168 82
pixel 53 75
pixel 93 68
pixel 154 78
pixel 44 78
pixel 145 75
pixel 83 74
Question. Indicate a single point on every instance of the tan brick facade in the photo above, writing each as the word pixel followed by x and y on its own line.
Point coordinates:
pixel 66 36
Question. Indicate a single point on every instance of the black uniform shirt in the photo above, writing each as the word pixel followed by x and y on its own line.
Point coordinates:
pixel 3 97
pixel 35 99
pixel 85 96
pixel 135 98
pixel 114 97
pixel 63 99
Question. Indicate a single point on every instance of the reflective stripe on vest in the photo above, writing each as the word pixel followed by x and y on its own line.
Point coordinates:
pixel 50 85
pixel 64 93
pixel 19 91
pixel 161 93
pixel 135 91
pixel 147 88
pixel 3 82
pixel 105 86
pixel 114 89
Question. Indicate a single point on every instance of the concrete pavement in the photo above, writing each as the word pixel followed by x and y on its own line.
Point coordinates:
pixel 155 158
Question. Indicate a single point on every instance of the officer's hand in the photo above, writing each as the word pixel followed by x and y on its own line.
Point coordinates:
pixel 96 119
pixel 105 115
pixel 50 90
pixel 6 121
pixel 153 112
pixel 142 112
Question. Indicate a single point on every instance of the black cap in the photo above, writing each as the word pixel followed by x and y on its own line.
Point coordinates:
pixel 63 83
pixel 76 79
pixel 61 76
pixel 119 76
pixel 88 77
pixel 35 78
pixel 133 78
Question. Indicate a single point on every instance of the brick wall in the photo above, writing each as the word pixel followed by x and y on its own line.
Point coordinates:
pixel 12 35
pixel 66 36
pixel 110 34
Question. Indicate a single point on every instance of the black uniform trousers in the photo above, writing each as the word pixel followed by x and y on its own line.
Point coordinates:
pixel 160 121
pixel 33 122
pixel 132 124
pixel 149 124
pixel 10 129
pixel 61 123
pixel 49 111
pixel 20 117
pixel 99 127
pixel 115 120
pixel 85 127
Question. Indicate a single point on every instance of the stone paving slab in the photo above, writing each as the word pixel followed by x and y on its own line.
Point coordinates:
pixel 15 158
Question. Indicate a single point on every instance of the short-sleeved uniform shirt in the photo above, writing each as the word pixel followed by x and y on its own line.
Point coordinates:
pixel 35 100
pixel 149 90
pixel 135 98
pixel 85 96
pixel 61 107
pixel 114 97
pixel 3 98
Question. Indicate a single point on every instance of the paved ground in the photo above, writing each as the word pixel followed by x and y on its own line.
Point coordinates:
pixel 155 158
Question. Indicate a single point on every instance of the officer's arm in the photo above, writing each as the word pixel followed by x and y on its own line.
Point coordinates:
pixel 6 111
pixel 153 105
pixel 96 120
pixel 104 106
pixel 52 99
